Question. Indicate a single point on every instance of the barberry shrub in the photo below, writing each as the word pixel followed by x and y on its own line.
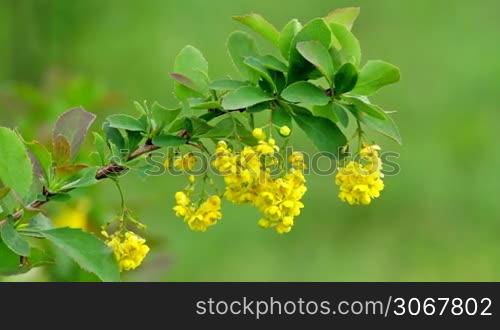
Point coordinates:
pixel 317 83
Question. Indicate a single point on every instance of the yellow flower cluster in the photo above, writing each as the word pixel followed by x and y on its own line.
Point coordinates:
pixel 248 180
pixel 280 200
pixel 361 182
pixel 129 249
pixel 185 163
pixel 198 218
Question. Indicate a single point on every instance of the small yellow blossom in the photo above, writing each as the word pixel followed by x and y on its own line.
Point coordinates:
pixel 267 147
pixel 201 218
pixel 296 158
pixel 285 130
pixel 361 182
pixel 129 250
pixel 185 163
pixel 259 134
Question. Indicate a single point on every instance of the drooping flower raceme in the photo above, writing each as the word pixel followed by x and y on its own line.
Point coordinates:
pixel 248 179
pixel 129 249
pixel 361 182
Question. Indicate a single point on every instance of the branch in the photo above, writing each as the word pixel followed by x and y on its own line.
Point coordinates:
pixel 104 172
pixel 101 174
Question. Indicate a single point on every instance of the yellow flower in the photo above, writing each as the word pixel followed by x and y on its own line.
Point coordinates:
pixel 285 130
pixel 201 218
pixel 361 182
pixel 267 147
pixel 259 134
pixel 185 163
pixel 248 180
pixel 264 223
pixel 129 250
pixel 280 201
pixel 296 158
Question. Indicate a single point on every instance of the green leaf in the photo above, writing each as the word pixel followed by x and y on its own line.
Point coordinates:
pixel 140 109
pixel 9 261
pixel 89 252
pixel 386 127
pixel 260 69
pixel 363 105
pixel 14 240
pixel 39 223
pixel 241 45
pixel 281 116
pixel 191 64
pixel 305 92
pixel 210 115
pixel 227 85
pixel 179 124
pixel 200 125
pixel 184 81
pixel 336 112
pixel 326 111
pixel 113 136
pixel 375 75
pixel 86 179
pixel 203 104
pixel 100 145
pixel 127 122
pixel 346 78
pixel 42 158
pixel 167 140
pixel 287 35
pixel 37 258
pixel 318 55
pixel 259 107
pixel 349 44
pixel 61 197
pixel 344 16
pixel 245 97
pixel 341 113
pixel 4 192
pixel 323 133
pixel 16 171
pixel 243 134
pixel 300 68
pixel 74 125
pixel 272 63
pixel 223 129
pixel 260 25
pixel 163 117
pixel 134 138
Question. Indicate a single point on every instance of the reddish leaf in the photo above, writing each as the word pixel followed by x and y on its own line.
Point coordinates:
pixel 183 80
pixel 61 149
pixel 69 170
pixel 74 125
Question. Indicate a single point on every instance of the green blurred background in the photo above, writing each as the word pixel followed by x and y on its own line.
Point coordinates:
pixel 438 219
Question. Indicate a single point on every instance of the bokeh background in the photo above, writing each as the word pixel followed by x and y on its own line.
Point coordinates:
pixel 438 219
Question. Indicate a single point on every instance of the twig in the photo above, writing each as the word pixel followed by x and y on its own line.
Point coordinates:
pixel 101 174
